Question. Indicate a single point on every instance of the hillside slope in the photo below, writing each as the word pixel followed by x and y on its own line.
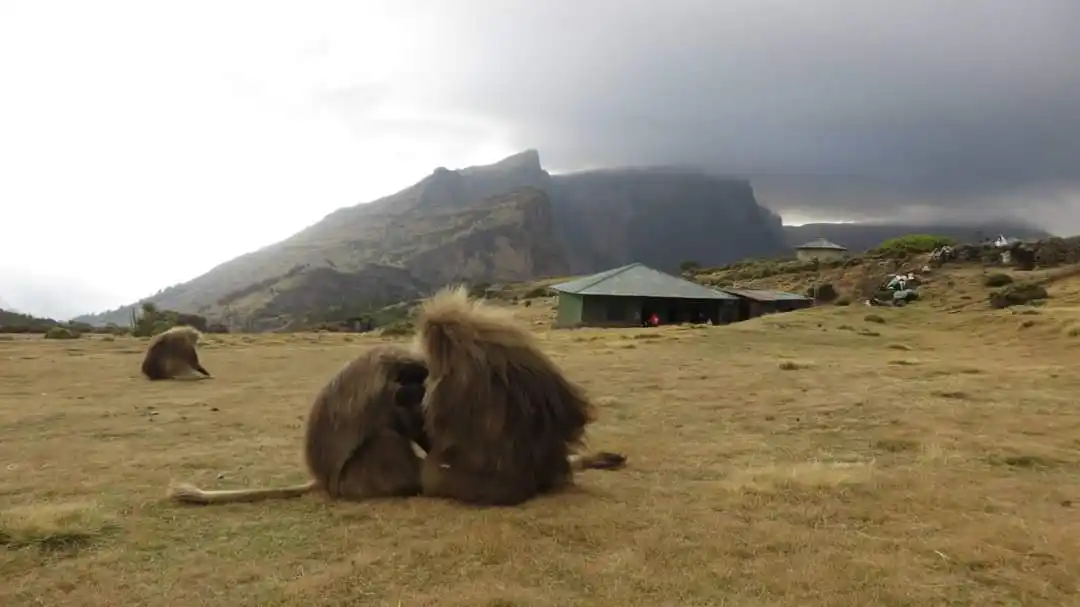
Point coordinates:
pixel 507 221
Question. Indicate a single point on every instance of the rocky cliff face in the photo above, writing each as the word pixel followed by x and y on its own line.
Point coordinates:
pixel 660 217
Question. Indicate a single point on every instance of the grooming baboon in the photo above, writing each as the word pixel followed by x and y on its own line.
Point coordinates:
pixel 172 355
pixel 359 437
pixel 365 436
pixel 500 415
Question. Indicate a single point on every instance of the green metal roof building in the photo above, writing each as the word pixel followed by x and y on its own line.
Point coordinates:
pixel 628 295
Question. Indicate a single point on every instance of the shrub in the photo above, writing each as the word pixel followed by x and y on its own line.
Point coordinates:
pixel 1017 294
pixel 997 280
pixel 536 292
pixel 824 292
pixel 60 333
pixel 843 301
pixel 902 246
pixel 399 329
pixel 479 290
pixel 874 318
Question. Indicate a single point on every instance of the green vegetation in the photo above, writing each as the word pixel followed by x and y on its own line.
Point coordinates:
pixel 1017 294
pixel 151 321
pixel 479 290
pixel 61 333
pixel 14 322
pixel 911 244
pixel 399 329
pixel 823 293
pixel 997 280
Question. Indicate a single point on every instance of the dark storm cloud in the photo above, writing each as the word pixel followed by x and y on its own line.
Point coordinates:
pixel 948 104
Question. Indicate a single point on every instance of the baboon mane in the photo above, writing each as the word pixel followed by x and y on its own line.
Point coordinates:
pixel 172 354
pixel 501 416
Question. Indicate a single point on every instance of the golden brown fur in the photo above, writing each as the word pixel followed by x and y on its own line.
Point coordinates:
pixel 360 433
pixel 501 416
pixel 172 355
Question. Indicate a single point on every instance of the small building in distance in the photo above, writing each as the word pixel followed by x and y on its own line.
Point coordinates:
pixel 820 249
pixel 628 295
pixel 756 302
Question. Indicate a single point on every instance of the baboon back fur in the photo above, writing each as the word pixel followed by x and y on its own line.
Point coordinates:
pixel 501 416
pixel 359 434
pixel 360 429
pixel 172 354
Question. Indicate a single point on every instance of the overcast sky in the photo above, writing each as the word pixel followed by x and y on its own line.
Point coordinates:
pixel 248 120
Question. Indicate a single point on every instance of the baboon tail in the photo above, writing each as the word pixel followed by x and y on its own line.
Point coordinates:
pixel 190 494
pixel 200 369
pixel 598 460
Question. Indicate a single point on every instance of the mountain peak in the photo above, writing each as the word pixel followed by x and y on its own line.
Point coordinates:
pixel 526 162
pixel 527 159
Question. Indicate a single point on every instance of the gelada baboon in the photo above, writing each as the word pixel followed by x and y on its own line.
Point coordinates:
pixel 172 355
pixel 359 437
pixel 501 416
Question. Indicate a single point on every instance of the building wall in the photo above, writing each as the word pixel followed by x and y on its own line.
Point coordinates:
pixel 569 310
pixel 612 311
pixel 820 254
pixel 601 311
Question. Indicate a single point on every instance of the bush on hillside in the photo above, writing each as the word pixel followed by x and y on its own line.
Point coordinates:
pixel 911 244
pixel 479 290
pixel 997 280
pixel 150 321
pixel 823 293
pixel 399 329
pixel 61 333
pixel 843 301
pixel 535 292
pixel 1017 294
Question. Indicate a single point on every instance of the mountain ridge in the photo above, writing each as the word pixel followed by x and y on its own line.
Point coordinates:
pixel 507 221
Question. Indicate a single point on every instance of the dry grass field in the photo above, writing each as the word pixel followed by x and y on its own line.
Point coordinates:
pixel 814 458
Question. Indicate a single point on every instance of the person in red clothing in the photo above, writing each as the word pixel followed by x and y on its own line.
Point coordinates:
pixel 654 320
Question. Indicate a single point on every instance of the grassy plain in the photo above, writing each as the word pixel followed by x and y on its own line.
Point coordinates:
pixel 814 458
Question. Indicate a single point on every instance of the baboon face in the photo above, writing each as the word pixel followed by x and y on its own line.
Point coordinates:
pixel 408 401
pixel 410 374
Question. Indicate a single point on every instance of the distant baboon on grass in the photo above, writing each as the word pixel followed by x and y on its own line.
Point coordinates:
pixel 172 355
pixel 360 434
pixel 501 416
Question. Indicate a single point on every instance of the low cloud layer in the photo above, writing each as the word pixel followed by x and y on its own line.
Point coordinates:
pixel 970 106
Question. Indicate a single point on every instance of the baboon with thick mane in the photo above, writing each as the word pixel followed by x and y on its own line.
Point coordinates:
pixel 501 416
pixel 359 437
pixel 172 355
